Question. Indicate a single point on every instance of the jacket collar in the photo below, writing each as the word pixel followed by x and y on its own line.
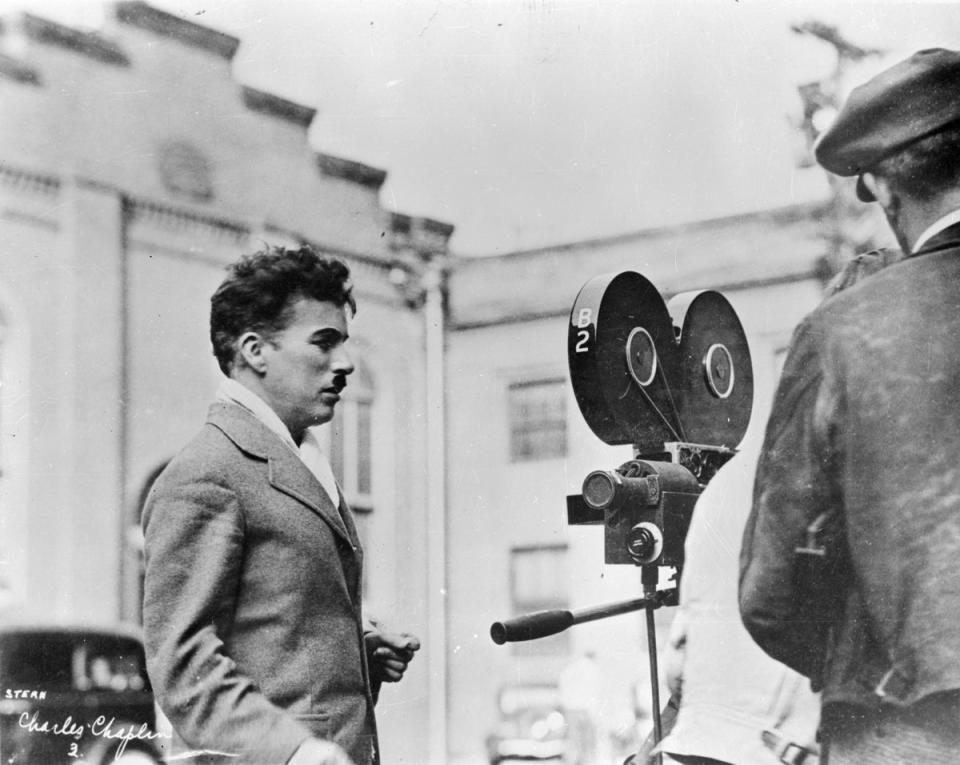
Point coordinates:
pixel 286 470
pixel 949 237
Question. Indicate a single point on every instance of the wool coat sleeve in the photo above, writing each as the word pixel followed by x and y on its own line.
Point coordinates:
pixel 194 535
pixel 784 597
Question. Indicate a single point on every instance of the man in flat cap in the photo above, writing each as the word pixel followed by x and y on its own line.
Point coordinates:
pixel 850 567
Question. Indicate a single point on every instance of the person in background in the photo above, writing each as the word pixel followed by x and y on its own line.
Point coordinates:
pixel 736 705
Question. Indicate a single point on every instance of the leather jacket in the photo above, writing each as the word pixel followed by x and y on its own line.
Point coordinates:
pixel 866 428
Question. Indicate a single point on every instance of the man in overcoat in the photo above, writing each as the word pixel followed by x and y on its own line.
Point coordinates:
pixel 850 567
pixel 256 645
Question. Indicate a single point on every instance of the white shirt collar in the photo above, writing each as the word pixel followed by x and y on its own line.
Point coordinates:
pixel 931 231
pixel 233 391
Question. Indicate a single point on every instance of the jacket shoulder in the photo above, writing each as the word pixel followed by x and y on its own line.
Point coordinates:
pixel 208 458
pixel 229 434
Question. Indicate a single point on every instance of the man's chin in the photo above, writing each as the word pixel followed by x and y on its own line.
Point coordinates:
pixel 323 415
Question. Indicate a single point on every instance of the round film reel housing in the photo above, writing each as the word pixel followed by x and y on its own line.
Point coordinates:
pixel 619 353
pixel 646 372
pixel 716 372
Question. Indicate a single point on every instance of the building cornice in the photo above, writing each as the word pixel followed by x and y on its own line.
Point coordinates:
pixel 437 227
pixel 19 71
pixel 139 14
pixel 275 106
pixel 810 271
pixel 778 216
pixel 29 180
pixel 89 44
pixel 181 217
pixel 426 237
pixel 401 223
pixel 350 170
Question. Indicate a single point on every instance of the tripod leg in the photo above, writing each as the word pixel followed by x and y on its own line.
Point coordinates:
pixel 654 679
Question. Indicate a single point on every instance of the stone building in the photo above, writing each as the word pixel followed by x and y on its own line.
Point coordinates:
pixel 133 168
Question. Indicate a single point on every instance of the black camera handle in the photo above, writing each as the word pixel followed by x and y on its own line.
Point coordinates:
pixel 544 623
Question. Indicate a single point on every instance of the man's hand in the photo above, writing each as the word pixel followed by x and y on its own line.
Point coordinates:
pixel 389 653
pixel 315 751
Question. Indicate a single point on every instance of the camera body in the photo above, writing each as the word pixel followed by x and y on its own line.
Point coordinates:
pixel 675 380
pixel 645 505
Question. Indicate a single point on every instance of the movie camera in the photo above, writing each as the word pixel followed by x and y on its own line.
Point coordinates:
pixel 674 380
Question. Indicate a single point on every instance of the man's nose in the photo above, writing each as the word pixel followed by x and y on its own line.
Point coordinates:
pixel 342 363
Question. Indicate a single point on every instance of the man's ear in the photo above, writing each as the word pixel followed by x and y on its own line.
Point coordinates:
pixel 879 188
pixel 250 347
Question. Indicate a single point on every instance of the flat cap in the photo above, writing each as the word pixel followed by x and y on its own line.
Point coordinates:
pixel 909 101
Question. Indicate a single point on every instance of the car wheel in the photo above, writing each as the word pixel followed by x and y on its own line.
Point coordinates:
pixel 131 755
pixel 136 757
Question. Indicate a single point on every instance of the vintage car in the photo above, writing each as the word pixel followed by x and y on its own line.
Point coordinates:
pixel 71 694
pixel 532 726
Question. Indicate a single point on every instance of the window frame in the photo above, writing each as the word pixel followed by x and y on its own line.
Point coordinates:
pixel 554 645
pixel 523 444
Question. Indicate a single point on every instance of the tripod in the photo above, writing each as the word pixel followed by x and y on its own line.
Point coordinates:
pixel 544 623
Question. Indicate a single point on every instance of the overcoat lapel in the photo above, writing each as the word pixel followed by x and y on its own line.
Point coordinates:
pixel 286 470
pixel 289 475
pixel 347 517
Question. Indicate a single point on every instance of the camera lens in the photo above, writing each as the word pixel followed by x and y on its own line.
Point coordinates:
pixel 599 490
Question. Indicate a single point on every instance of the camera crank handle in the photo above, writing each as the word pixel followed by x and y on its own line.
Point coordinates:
pixel 531 626
pixel 543 623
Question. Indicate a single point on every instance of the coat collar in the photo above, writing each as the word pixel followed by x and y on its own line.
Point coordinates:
pixel 286 470
pixel 949 237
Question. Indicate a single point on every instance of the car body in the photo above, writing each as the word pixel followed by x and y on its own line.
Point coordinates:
pixel 532 726
pixel 75 694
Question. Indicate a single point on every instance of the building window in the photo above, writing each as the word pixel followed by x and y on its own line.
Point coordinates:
pixel 350 448
pixel 538 582
pixel 538 420
pixel 351 441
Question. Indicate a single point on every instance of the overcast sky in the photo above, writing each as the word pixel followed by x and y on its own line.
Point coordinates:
pixel 533 122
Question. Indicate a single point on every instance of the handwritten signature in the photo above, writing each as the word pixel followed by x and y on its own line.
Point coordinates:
pixel 101 727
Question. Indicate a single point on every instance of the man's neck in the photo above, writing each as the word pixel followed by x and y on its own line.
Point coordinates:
pixel 919 219
pixel 251 382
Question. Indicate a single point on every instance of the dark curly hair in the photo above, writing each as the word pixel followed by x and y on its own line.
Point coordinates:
pixel 926 168
pixel 260 290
